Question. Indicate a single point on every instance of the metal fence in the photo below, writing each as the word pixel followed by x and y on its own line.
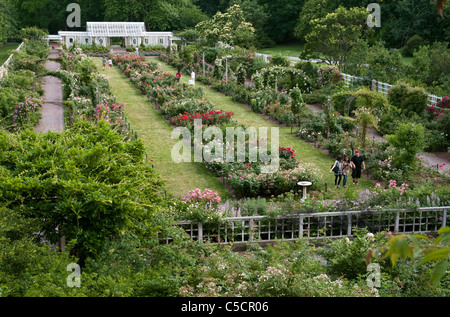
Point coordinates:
pixel 4 67
pixel 264 229
pixel 384 88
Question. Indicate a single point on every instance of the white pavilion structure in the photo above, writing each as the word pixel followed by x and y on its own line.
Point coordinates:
pixel 100 33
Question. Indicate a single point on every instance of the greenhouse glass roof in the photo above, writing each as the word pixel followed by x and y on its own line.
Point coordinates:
pixel 115 29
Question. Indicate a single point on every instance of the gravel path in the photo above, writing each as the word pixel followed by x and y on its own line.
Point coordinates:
pixel 53 109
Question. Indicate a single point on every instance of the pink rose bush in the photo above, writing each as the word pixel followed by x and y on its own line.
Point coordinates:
pixel 207 196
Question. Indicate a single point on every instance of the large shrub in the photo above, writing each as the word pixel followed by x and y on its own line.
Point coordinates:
pixel 409 99
pixel 412 45
pixel 408 140
pixel 182 106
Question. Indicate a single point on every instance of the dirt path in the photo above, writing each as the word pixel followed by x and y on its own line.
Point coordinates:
pixel 53 109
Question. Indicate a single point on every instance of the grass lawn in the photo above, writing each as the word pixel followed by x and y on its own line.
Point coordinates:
pixel 303 150
pixel 155 132
pixel 5 51
pixel 408 60
pixel 285 50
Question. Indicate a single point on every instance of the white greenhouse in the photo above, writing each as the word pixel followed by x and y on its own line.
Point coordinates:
pixel 101 33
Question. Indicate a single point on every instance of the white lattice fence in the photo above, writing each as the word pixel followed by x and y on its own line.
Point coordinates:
pixel 432 100
pixel 316 225
pixel 383 87
pixel 4 67
pixel 348 79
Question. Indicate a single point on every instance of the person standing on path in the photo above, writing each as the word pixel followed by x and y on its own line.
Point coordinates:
pixel 337 169
pixel 178 76
pixel 104 63
pixel 192 81
pixel 110 63
pixel 347 165
pixel 358 162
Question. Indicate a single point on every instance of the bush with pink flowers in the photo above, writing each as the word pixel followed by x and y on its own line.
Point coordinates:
pixel 207 196
pixel 27 114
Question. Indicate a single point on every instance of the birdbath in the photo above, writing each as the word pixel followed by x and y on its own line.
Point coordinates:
pixel 304 185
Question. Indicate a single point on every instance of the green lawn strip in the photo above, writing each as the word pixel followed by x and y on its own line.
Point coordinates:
pixel 155 132
pixel 303 150
pixel 6 51
pixel 285 50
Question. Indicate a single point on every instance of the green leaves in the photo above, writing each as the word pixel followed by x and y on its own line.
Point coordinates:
pixel 399 247
pixel 229 27
pixel 85 181
pixel 335 35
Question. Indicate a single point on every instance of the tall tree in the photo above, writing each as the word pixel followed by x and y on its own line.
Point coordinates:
pixel 212 7
pixel 334 36
pixel 7 22
pixel 311 10
pixel 32 13
pixel 283 15
pixel 229 27
pixel 255 14
pixel 159 15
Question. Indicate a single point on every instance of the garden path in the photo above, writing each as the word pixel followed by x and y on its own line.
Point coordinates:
pixel 53 108
pixel 155 132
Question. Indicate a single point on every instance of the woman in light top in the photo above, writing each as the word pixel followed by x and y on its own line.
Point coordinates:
pixel 337 169
pixel 347 165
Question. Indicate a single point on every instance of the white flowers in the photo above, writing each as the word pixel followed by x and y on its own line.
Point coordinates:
pixel 322 276
pixel 273 272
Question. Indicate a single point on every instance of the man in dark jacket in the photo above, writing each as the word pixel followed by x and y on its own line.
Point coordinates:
pixel 359 164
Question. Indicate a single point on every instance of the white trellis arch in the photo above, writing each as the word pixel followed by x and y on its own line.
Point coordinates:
pixel 101 33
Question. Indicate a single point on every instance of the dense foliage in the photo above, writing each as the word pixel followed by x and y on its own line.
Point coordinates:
pixel 274 21
pixel 72 182
pixel 20 91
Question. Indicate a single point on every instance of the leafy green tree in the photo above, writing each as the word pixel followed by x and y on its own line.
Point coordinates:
pixel 431 67
pixel 85 184
pixel 31 13
pixel 335 35
pixel 255 14
pixel 412 45
pixel 157 14
pixel 229 27
pixel 8 24
pixel 282 19
pixel 212 7
pixel 311 10
pixel 403 19
pixel 408 141
pixel 32 34
pixel 25 263
pixel 383 65
pixel 357 58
